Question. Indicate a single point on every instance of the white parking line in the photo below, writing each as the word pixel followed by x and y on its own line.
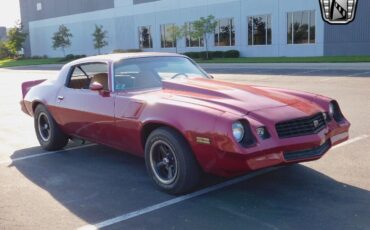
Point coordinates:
pixel 44 154
pixel 350 141
pixel 176 200
pixel 213 188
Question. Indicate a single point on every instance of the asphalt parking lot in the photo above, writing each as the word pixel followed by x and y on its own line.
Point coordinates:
pixel 92 185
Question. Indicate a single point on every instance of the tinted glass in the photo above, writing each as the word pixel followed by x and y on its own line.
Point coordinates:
pixel 83 74
pixel 290 28
pixel 300 26
pixel 259 28
pixel 191 41
pixel 167 36
pixel 145 37
pixel 269 30
pixel 312 27
pixel 225 33
pixel 250 31
pixel 232 32
pixel 141 73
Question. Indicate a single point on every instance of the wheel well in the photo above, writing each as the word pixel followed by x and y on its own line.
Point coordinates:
pixel 149 128
pixel 34 105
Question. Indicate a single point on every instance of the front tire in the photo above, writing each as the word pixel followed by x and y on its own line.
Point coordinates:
pixel 170 162
pixel 47 130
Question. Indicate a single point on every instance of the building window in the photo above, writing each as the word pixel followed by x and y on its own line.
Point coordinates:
pixel 259 30
pixel 190 40
pixel 145 37
pixel 301 27
pixel 39 6
pixel 225 32
pixel 168 40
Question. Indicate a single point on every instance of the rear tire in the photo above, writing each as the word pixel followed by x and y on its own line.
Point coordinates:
pixel 170 162
pixel 47 130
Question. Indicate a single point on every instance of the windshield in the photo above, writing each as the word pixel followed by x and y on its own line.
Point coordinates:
pixel 149 72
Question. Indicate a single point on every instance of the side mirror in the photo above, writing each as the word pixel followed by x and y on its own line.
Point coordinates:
pixel 96 86
pixel 211 76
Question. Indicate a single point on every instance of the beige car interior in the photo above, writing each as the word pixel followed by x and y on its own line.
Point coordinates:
pixel 78 83
pixel 101 78
pixel 82 82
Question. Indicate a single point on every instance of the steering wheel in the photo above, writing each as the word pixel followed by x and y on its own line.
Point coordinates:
pixel 179 74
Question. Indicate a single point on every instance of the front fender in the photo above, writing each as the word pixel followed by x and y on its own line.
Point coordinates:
pixel 190 120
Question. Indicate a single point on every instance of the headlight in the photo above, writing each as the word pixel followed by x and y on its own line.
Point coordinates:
pixel 238 131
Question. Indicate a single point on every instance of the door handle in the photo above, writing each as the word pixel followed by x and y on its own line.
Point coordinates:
pixel 60 98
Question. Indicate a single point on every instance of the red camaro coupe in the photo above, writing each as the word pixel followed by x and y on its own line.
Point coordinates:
pixel 165 108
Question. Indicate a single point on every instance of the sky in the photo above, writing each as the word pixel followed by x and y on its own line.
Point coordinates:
pixel 9 12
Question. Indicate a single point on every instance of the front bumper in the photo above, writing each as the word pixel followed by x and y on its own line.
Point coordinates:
pixel 275 151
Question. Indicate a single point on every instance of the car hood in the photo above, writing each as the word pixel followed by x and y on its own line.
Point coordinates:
pixel 235 98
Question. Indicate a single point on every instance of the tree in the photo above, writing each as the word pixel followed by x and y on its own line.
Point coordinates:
pixel 4 51
pixel 176 33
pixel 99 36
pixel 62 39
pixel 16 38
pixel 204 28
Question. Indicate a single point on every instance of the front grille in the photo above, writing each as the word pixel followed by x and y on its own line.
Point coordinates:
pixel 301 126
pixel 309 153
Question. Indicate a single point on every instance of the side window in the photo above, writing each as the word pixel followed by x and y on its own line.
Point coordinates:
pixel 78 79
pixel 83 75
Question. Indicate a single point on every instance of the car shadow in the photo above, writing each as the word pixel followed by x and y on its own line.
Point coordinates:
pixel 98 183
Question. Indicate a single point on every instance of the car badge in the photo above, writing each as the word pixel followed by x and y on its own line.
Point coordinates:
pixel 325 116
pixel 338 11
pixel 261 131
pixel 316 123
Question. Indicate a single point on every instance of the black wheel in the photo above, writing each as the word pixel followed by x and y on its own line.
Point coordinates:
pixel 48 133
pixel 170 162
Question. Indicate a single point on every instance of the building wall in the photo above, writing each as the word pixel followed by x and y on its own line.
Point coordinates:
pixel 33 10
pixel 351 39
pixel 57 8
pixel 123 20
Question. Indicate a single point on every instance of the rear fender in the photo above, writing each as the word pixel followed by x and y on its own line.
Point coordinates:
pixel 26 86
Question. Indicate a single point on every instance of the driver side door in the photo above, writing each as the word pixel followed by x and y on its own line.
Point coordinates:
pixel 86 113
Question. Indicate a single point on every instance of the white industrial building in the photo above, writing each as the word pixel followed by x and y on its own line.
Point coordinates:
pixel 254 27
